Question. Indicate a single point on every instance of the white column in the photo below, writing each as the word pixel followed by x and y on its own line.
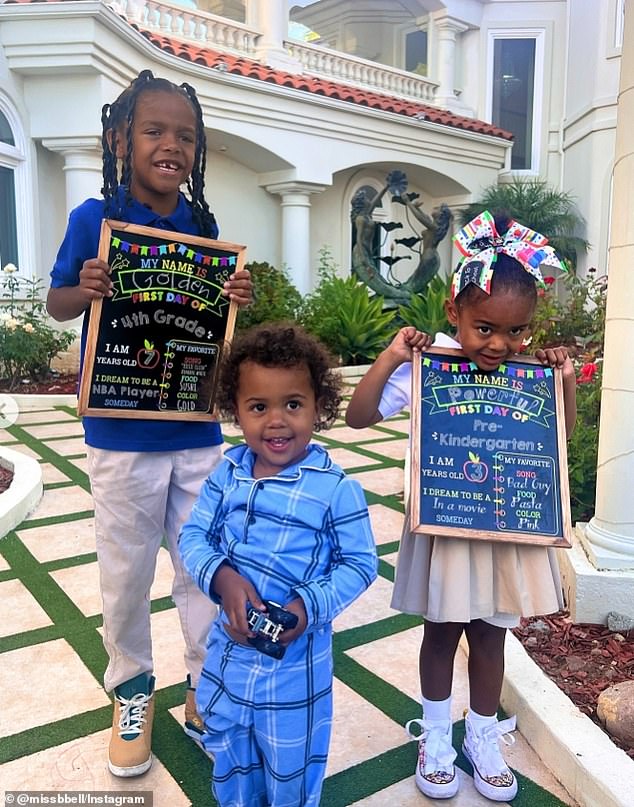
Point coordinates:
pixel 295 206
pixel 270 18
pixel 447 29
pixel 82 167
pixel 610 534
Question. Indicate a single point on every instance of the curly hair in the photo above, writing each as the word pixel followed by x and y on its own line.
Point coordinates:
pixel 120 115
pixel 282 345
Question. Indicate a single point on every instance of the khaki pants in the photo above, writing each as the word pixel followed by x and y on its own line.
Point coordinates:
pixel 139 497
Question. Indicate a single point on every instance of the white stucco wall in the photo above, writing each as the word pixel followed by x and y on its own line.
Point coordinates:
pixel 590 121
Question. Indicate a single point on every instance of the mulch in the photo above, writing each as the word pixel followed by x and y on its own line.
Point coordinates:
pixel 55 384
pixel 582 659
pixel 6 477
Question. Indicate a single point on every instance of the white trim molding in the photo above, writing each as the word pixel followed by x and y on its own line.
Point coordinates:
pixel 539 35
pixel 16 159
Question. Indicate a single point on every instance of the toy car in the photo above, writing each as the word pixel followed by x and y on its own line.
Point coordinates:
pixel 269 625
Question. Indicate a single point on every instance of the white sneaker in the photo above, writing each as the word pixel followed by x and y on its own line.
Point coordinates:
pixel 491 775
pixel 435 772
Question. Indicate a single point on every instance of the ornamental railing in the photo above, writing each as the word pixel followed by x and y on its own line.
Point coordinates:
pixel 191 25
pixel 338 66
pixel 227 35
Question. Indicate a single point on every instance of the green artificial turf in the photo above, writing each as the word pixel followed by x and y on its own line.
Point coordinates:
pixel 187 765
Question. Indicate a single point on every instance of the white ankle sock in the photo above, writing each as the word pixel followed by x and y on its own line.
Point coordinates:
pixel 437 712
pixel 479 722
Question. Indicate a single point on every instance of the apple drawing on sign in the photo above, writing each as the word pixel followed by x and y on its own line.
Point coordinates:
pixel 474 469
pixel 148 357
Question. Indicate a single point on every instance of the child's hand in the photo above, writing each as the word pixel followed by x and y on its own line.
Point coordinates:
pixel 296 607
pixel 239 287
pixel 94 280
pixel 408 341
pixel 236 592
pixel 557 357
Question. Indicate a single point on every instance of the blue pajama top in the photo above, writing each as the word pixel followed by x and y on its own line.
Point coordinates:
pixel 304 532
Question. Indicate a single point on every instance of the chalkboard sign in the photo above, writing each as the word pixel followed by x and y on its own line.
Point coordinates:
pixel 153 348
pixel 489 451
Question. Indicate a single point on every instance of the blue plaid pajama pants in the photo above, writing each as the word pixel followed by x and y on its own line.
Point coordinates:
pixel 267 721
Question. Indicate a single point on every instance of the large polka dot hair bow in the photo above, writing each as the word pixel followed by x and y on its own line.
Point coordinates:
pixel 479 243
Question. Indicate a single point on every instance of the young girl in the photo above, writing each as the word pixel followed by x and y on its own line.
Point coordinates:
pixel 458 585
pixel 277 521
pixel 144 474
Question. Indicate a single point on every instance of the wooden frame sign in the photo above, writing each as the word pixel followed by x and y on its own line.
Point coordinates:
pixel 489 451
pixel 153 348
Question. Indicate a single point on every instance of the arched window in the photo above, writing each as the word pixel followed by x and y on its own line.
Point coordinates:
pixel 16 231
pixel 8 224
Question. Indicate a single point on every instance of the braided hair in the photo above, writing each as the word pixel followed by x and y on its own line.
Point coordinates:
pixel 119 115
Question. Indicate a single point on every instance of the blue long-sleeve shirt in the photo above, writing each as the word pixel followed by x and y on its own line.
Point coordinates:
pixel 305 531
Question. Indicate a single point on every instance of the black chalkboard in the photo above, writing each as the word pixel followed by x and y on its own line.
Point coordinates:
pixel 153 348
pixel 489 451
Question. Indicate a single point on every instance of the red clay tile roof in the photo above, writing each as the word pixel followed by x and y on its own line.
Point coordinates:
pixel 342 92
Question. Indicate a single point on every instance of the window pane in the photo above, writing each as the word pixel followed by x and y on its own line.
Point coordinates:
pixel 416 52
pixel 513 86
pixel 6 135
pixel 8 231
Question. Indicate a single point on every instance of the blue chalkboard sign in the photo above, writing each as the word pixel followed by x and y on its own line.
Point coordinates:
pixel 154 347
pixel 489 451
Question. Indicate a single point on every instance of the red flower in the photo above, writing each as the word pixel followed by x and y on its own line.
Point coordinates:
pixel 549 280
pixel 587 373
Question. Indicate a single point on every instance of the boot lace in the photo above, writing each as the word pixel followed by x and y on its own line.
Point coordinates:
pixel 132 713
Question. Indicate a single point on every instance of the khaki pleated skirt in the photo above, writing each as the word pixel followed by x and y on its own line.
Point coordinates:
pixel 460 579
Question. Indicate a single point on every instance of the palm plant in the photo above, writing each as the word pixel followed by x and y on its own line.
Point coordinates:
pixel 427 311
pixel 536 205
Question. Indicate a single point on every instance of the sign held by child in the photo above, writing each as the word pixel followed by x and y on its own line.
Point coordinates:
pixel 489 450
pixel 153 346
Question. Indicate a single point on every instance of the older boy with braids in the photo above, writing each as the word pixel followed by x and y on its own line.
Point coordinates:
pixel 145 474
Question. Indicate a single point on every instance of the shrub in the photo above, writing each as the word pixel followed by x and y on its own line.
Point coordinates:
pixel 536 205
pixel 579 323
pixel 427 311
pixel 584 444
pixel 343 316
pixel 319 308
pixel 28 343
pixel 275 297
pixel 362 328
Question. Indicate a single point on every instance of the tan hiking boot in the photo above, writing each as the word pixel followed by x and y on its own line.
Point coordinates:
pixel 194 726
pixel 130 751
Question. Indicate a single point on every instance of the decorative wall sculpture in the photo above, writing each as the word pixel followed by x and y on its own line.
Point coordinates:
pixel 422 247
